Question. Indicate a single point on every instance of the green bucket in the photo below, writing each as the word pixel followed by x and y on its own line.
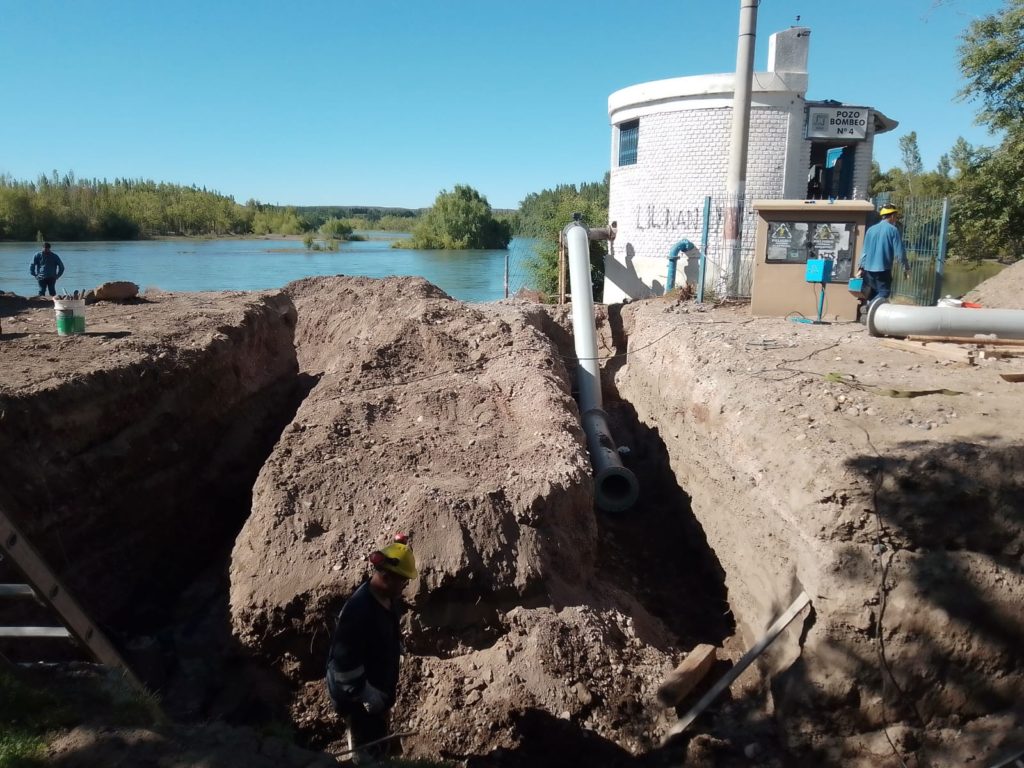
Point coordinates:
pixel 70 316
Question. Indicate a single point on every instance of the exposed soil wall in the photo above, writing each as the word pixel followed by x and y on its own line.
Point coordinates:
pixel 891 499
pixel 129 451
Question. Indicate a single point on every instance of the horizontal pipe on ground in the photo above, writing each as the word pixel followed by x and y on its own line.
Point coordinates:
pixel 885 319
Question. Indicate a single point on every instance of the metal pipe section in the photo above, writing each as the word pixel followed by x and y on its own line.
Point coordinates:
pixel 885 319
pixel 583 332
pixel 683 246
pixel 615 487
pixel 736 176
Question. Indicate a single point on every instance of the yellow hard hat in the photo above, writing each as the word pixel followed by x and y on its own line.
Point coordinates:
pixel 396 558
pixel 888 210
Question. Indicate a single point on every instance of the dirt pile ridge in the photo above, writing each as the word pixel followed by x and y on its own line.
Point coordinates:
pixel 1002 291
pixel 455 424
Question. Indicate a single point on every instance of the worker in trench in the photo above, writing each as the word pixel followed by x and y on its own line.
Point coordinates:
pixel 366 647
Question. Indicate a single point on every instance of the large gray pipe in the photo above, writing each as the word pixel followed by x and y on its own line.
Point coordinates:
pixel 885 319
pixel 615 487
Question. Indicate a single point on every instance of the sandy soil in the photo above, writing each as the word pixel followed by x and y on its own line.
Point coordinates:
pixel 1004 291
pixel 885 484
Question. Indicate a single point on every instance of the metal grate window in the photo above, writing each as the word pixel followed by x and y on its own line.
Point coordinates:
pixel 628 135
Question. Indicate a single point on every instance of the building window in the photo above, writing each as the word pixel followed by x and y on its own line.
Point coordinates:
pixel 628 135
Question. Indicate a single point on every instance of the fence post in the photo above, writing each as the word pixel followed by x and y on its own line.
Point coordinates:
pixel 940 257
pixel 703 250
pixel 506 272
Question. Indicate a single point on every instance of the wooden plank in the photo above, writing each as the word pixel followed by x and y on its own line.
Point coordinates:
pixel 969 340
pixel 50 590
pixel 16 590
pixel 1016 760
pixel 940 351
pixel 686 676
pixel 988 353
pixel 1012 376
pixel 801 602
pixel 60 632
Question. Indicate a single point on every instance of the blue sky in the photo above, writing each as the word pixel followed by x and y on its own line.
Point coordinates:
pixel 386 102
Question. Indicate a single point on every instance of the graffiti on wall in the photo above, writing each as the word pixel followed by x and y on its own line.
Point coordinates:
pixel 689 218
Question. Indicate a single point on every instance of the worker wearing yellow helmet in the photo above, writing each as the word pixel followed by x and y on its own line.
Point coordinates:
pixel 366 648
pixel 882 247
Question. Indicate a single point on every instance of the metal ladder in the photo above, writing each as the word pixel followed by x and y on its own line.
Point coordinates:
pixel 43 584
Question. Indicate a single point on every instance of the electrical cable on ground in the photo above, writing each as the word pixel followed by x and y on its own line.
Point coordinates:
pixel 883 593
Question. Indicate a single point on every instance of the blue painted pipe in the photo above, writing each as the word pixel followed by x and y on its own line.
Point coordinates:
pixel 682 246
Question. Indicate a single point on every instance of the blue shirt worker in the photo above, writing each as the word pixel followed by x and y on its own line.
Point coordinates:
pixel 46 269
pixel 882 246
pixel 366 648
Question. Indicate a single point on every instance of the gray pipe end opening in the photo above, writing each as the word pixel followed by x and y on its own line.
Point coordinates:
pixel 616 489
pixel 872 309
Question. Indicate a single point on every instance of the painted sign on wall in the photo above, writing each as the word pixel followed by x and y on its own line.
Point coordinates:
pixel 838 123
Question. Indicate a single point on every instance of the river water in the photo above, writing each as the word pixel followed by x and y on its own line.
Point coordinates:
pixel 256 264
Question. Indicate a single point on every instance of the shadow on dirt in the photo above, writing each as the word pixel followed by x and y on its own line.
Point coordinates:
pixel 943 637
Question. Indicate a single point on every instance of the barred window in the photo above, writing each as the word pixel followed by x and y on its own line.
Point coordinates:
pixel 628 135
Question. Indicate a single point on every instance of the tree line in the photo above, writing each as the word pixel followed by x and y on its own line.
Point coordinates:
pixel 63 207
pixel 985 184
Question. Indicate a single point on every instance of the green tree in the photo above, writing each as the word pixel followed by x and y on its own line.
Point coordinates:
pixel 335 229
pixel 911 154
pixel 988 216
pixel 544 214
pixel 992 62
pixel 460 219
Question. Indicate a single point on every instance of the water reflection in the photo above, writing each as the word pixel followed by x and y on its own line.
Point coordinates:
pixel 256 264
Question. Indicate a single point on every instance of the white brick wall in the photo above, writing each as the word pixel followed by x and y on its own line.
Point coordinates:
pixel 682 156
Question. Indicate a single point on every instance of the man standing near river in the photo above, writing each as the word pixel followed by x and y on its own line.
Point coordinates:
pixel 46 269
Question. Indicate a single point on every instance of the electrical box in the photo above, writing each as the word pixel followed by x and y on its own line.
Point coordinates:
pixel 807 242
pixel 857 287
pixel 818 271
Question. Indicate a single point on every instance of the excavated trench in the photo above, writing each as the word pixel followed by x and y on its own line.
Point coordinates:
pixel 156 482
pixel 211 504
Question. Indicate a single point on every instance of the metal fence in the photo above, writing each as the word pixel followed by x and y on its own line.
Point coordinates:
pixel 925 227
pixel 727 268
pixel 518 274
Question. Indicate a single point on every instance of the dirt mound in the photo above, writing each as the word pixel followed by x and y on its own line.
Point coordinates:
pixel 1002 291
pixel 455 424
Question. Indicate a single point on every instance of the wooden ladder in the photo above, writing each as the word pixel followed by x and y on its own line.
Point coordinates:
pixel 44 585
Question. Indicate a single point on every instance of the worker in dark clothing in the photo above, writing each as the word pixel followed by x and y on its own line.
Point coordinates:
pixel 46 269
pixel 362 668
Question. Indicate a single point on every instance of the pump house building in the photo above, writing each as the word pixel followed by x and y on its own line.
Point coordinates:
pixel 670 149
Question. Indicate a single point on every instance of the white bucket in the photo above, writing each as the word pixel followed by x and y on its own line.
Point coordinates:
pixel 70 316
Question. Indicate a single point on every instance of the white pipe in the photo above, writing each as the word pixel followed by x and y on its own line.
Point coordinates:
pixel 615 487
pixel 584 335
pixel 885 319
